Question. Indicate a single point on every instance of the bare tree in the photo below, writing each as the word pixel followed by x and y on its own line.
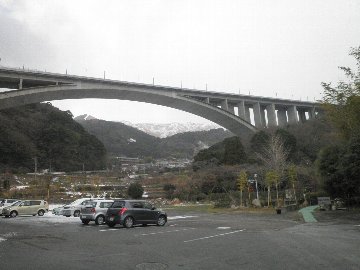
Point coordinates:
pixel 274 157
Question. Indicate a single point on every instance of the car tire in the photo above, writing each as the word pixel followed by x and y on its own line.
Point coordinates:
pixel 161 221
pixel 111 224
pixel 13 214
pixel 41 213
pixel 128 222
pixel 100 220
pixel 77 213
pixel 85 221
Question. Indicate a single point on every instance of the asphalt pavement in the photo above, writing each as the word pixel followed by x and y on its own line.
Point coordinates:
pixel 188 241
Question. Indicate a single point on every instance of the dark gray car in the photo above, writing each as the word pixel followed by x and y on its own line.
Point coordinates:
pixel 131 212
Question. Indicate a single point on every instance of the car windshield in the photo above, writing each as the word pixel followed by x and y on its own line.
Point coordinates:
pixel 79 201
pixel 16 203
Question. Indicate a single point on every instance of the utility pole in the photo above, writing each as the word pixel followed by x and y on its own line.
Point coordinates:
pixel 35 169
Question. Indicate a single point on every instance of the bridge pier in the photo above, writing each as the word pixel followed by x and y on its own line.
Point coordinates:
pixel 241 109
pixel 302 116
pixel 247 114
pixel 292 115
pixel 224 105
pixel 312 113
pixel 21 84
pixel 271 116
pixel 281 115
pixel 258 115
pixel 207 100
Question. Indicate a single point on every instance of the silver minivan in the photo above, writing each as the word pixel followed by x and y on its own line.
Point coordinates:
pixel 95 211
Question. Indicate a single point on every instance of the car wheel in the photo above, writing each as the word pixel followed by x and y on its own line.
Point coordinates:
pixel 85 221
pixel 41 213
pixel 67 216
pixel 161 221
pixel 100 220
pixel 111 224
pixel 77 213
pixel 13 214
pixel 128 222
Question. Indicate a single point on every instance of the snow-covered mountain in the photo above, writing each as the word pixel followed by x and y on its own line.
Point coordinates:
pixel 166 130
pixel 159 130
pixel 85 117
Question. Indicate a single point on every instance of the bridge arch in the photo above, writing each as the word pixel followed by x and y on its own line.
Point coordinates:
pixel 158 95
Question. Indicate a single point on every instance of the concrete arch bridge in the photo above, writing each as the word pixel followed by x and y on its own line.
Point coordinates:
pixel 231 111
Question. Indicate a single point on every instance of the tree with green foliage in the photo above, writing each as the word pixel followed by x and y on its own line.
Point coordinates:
pixel 135 191
pixel 234 152
pixel 339 168
pixel 339 165
pixel 228 152
pixel 341 103
pixel 169 190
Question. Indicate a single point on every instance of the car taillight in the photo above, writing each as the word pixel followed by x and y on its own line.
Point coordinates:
pixel 93 210
pixel 122 211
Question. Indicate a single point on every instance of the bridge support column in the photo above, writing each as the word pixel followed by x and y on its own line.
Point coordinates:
pixel 271 115
pixel 20 84
pixel 241 109
pixel 257 115
pixel 207 100
pixel 247 114
pixel 302 116
pixel 281 115
pixel 263 119
pixel 224 105
pixel 292 115
pixel 312 113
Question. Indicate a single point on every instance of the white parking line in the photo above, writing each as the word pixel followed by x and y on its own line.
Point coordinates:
pixel 223 228
pixel 154 233
pixel 212 236
pixel 108 230
pixel 180 217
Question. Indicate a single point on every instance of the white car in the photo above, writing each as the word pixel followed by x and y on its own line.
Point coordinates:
pixel 74 208
pixel 8 204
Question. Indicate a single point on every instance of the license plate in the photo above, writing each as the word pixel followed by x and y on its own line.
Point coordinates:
pixel 111 218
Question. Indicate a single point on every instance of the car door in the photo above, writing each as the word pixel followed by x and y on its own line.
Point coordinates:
pixel 23 208
pixel 150 214
pixel 137 211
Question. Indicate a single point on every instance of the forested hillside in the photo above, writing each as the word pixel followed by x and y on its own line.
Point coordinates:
pixel 122 140
pixel 51 136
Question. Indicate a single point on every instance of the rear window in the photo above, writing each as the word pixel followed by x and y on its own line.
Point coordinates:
pixel 105 204
pixel 90 204
pixel 119 204
pixel 11 201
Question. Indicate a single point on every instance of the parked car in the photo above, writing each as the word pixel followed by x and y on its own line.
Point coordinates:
pixel 74 208
pixel 7 202
pixel 58 210
pixel 131 212
pixel 95 211
pixel 2 207
pixel 26 207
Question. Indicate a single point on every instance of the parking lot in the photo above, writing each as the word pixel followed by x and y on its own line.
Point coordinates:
pixel 188 241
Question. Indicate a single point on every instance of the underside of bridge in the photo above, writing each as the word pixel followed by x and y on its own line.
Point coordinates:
pixel 233 112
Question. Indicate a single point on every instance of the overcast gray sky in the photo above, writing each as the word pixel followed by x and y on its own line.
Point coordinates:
pixel 268 47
